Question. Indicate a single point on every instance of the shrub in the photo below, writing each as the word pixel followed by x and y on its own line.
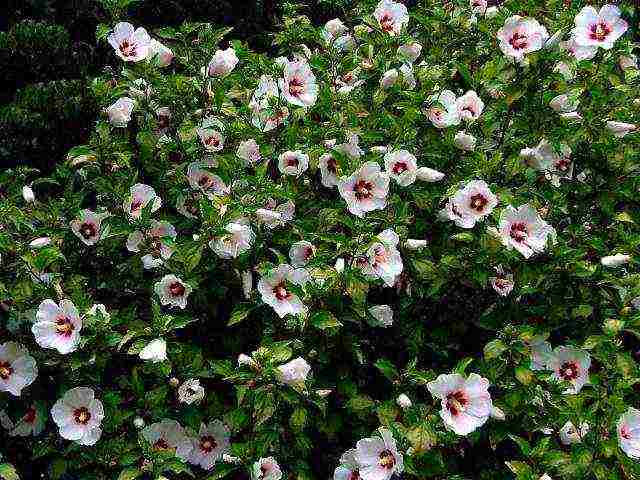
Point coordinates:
pixel 407 246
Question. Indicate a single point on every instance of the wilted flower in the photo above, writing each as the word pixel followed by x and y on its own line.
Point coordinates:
pixel 191 391
pixel 615 260
pixel 161 53
pixel 469 106
pixel 520 36
pixel 301 252
pixel 628 429
pixel 389 78
pixel 465 141
pixel 348 468
pixel 31 423
pixel 382 316
pixel 502 283
pixel 620 129
pixel 348 82
pixel 87 227
pixel 140 196
pixel 129 44
pixel 172 291
pixel 168 435
pixel 569 434
pixel 40 242
pixel 414 244
pixel 249 151
pixel 378 457
pixel 564 103
pixel 391 16
pixel 444 110
pixel 471 204
pixel 409 52
pixel 275 216
pixel 120 112
pixel 57 327
pixel 466 403
pixel 266 469
pixel 210 184
pixel 599 29
pixel 158 241
pixel 18 369
pixel 211 443
pixel 382 259
pixel 239 240
pixel 298 85
pixel 554 164
pixel 222 63
pixel 365 190
pixel 155 351
pixel 524 230
pixel 293 163
pixel 294 372
pixel 478 6
pixel 267 113
pixel 570 365
pixel 78 415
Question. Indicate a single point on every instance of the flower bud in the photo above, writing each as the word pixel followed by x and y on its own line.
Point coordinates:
pixel 27 194
pixel 403 401
pixel 615 260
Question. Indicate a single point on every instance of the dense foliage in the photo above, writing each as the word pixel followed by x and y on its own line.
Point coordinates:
pixel 408 246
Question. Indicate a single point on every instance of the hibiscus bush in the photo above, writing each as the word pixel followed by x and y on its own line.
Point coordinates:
pixel 405 247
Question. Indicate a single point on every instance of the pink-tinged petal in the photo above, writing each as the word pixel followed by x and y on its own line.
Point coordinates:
pixel 587 16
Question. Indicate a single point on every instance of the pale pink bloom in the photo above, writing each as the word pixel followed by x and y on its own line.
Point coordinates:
pixel 301 252
pixel 294 372
pixel 120 112
pixel 222 63
pixel 469 106
pixel 466 403
pixel 569 434
pixel 140 197
pixel 211 443
pixel 430 175
pixel 87 227
pixel 365 190
pixel 444 110
pixel 579 52
pixel 266 469
pixel 155 351
pixel 275 289
pixel 502 283
pixel 212 140
pixel 191 392
pixel 571 116
pixel 348 82
pixel 465 141
pixel 40 242
pixel 382 259
pixel 620 129
pixel 401 166
pixel 239 239
pixel 628 429
pixel 391 16
pixel 404 401
pixel 478 6
pixel 169 435
pixel 267 114
pixel 524 230
pixel 161 53
pixel 337 35
pixel 554 164
pixel 276 216
pixel 389 78
pixel 158 241
pixel 348 468
pixel 249 151
pixel 471 204
pixel 293 163
pixel 298 85
pixel 409 52
pixel 31 423
pixel 172 291
pixel 378 457
pixel 18 369
pixel 129 44
pixel 615 260
pixel 209 183
pixel 78 415
pixel 520 36
pixel 382 316
pixel 57 327
pixel 570 365
pixel 599 28
pixel 328 170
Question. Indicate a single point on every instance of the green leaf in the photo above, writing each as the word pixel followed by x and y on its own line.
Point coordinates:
pixel 387 368
pixel 324 320
pixel 129 473
pixel 239 313
pixel 8 472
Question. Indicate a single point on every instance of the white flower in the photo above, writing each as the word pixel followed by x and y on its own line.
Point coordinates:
pixel 294 372
pixel 415 244
pixel 78 415
pixel 158 241
pixel 31 423
pixel 275 289
pixel 389 78
pixel 569 434
pixel 430 175
pixel 172 291
pixel 40 242
pixel 402 166
pixel 478 6
pixel 155 351
pixel 222 63
pixel 382 316
pixel 469 106
pixel 348 82
pixel 520 36
pixel 140 196
pixel 620 129
pixel 337 34
pixel 502 283
pixel 138 422
pixel 239 240
pixel 161 53
pixel 409 52
pixel 391 16
pixel 298 85
pixel 57 327
pixel 293 163
pixel 564 103
pixel 301 252
pixel 191 391
pixel 168 435
pixel 466 403
pixel 129 44
pixel 570 365
pixel 120 112
pixel 18 369
pixel 444 110
pixel 554 164
pixel 579 52
pixel 365 190
pixel 339 265
pixel 465 141
pixel 348 468
pixel 266 114
pixel 276 216
pixel 328 170
pixel 28 195
pixel 211 443
pixel 524 230
pixel 378 457
pixel 249 151
pixel 87 227
pixel 628 429
pixel 212 139
pixel 210 184
pixel 403 401
pixel 615 260
pixel 382 259
pixel 266 469
pixel 351 147
pixel 599 28
pixel 471 204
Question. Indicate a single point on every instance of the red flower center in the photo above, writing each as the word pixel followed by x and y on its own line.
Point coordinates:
pixel 161 444
pixel 136 204
pixel 387 460
pixel 296 87
pixel 82 415
pixel 354 475
pixel 400 167
pixel 30 416
pixel 176 289
pixel 599 31
pixel 563 164
pixel 332 165
pixel 478 202
pixel 518 41
pixel 625 433
pixel 569 371
pixel 88 230
pixel 281 292
pixel 456 402
pixel 519 232
pixel 205 181
pixel 212 141
pixel 292 162
pixel 128 49
pixel 307 252
pixel 386 22
pixel 363 189
pixel 64 326
pixel 5 370
pixel 207 444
